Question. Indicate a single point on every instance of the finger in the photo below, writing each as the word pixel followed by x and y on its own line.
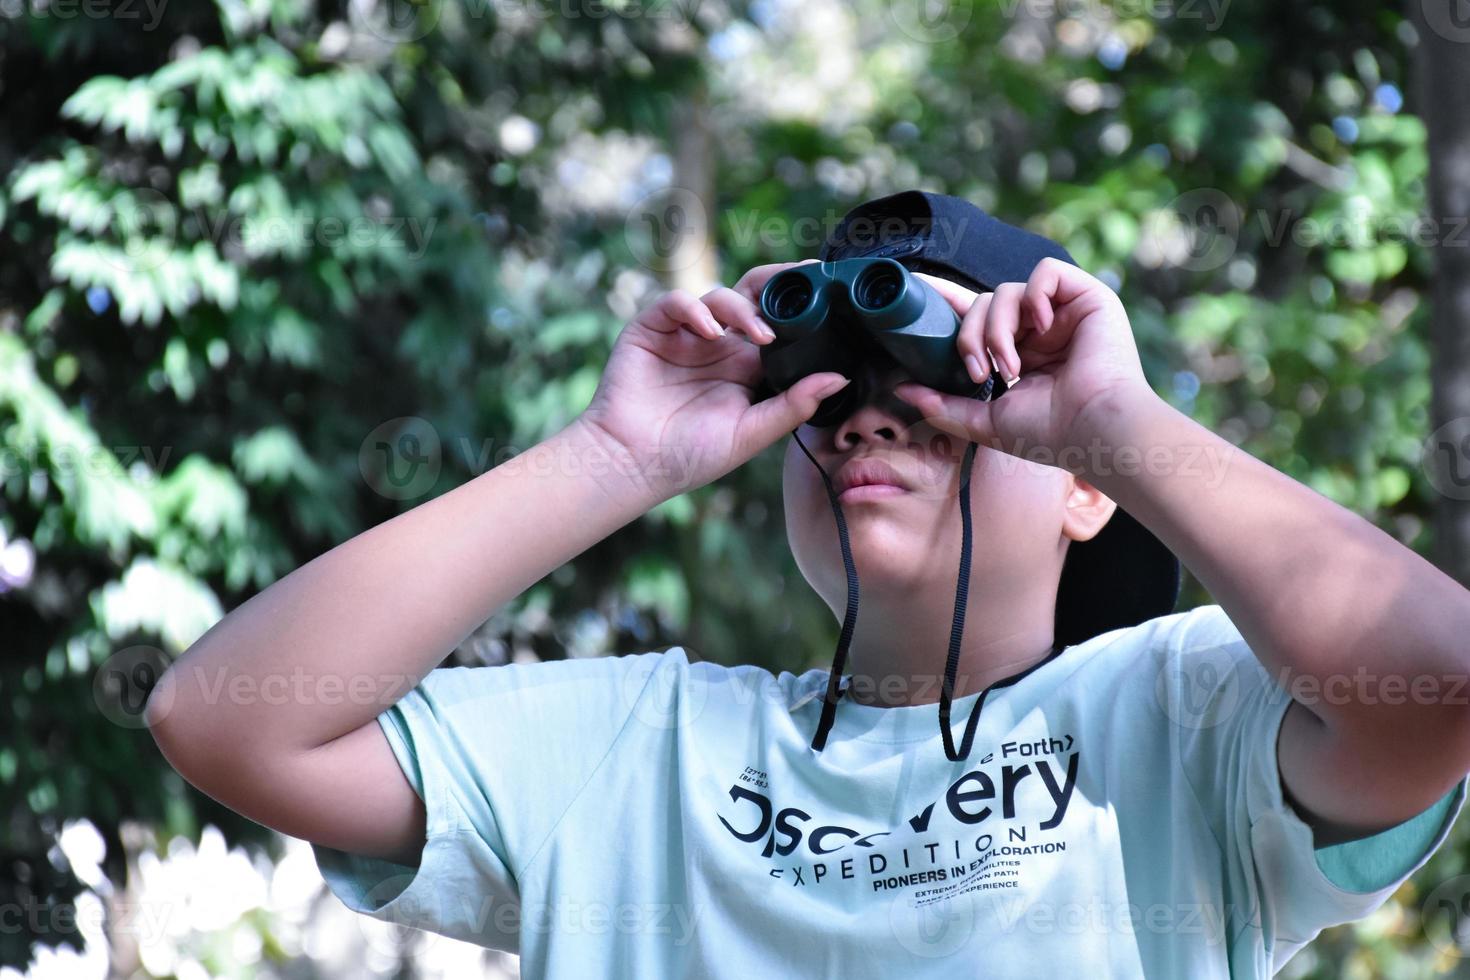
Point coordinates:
pixel 1060 296
pixel 971 339
pixel 1002 324
pixel 678 308
pixel 958 296
pixel 1065 282
pixel 957 415
pixel 1041 289
pixel 751 284
pixel 766 421
pixel 736 311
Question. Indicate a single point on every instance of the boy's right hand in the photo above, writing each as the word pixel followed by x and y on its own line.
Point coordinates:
pixel 677 394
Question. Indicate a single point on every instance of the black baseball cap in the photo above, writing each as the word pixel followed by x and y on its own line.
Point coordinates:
pixel 1123 575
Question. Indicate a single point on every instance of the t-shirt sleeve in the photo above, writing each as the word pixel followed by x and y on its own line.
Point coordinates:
pixel 497 754
pixel 1226 711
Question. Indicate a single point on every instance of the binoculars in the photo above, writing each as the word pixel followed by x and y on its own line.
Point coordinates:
pixel 855 316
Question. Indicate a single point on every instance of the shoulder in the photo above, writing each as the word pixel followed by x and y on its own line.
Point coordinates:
pixel 672 674
pixel 1187 636
pixel 1191 661
pixel 741 684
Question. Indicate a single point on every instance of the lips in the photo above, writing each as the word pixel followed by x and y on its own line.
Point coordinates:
pixel 868 473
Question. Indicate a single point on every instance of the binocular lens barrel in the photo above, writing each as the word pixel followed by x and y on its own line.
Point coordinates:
pixel 789 297
pixel 878 286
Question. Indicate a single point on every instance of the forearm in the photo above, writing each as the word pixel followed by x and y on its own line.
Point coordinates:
pixel 336 642
pixel 1326 600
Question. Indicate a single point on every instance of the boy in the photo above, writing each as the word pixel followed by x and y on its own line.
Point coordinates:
pixel 1135 791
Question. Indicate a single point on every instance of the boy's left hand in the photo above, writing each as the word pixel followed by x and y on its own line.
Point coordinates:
pixel 1066 335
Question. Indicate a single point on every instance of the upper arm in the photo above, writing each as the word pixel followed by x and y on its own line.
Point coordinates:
pixel 1346 787
pixel 349 794
pixel 1245 746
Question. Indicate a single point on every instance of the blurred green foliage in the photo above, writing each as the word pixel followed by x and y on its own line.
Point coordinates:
pixel 243 238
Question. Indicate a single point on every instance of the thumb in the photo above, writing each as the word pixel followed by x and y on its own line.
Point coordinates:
pixel 959 416
pixel 766 421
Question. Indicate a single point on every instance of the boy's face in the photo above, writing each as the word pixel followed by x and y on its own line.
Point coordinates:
pixel 908 537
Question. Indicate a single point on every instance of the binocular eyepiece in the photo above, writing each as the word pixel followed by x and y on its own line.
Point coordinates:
pixel 849 316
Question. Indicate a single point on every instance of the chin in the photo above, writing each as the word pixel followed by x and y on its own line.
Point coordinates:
pixel 885 550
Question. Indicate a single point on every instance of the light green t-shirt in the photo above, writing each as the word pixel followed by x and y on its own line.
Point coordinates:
pixel 1120 815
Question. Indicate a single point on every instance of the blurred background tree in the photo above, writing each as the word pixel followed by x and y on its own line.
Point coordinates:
pixel 276 270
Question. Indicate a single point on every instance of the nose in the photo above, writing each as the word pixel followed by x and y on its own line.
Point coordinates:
pixel 882 419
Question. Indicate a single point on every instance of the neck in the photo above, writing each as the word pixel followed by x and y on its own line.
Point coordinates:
pixel 899 649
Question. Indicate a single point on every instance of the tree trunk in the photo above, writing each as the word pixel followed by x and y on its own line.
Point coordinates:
pixel 1442 76
pixel 694 267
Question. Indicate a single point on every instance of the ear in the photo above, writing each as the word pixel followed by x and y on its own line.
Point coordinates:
pixel 1087 512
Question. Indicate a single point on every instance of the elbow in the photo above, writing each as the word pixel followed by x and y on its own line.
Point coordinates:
pixel 162 716
pixel 186 731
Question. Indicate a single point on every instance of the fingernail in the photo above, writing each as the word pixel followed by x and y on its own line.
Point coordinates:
pixel 909 391
pixel 832 387
pixel 972 364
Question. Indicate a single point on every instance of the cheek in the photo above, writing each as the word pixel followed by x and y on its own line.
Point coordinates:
pixel 802 495
pixel 1018 502
pixel 807 513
